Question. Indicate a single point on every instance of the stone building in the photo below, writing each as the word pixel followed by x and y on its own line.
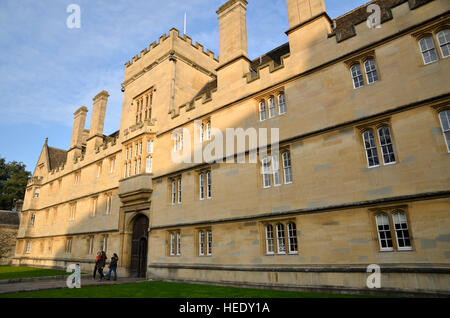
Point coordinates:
pixel 9 225
pixel 361 175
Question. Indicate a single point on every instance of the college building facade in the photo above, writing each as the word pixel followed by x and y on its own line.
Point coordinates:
pixel 361 175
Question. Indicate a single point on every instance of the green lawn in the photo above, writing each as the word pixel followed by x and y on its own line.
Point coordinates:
pixel 168 290
pixel 10 272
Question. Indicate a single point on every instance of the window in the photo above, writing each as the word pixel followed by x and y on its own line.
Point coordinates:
pixel 443 38
pixel 371 149
pixel 262 110
pixel 276 171
pixel 148 165
pixel 272 108
pixel 202 128
pixel 292 238
pixel 135 167
pixel 201 243
pixel 282 104
pixel 175 243
pixel 401 230
pixel 177 141
pixel 91 245
pixel 428 50
pixel 105 243
pixel 269 239
pixel 140 148
pixel 72 212
pixel 287 167
pixel 281 246
pixel 125 171
pixel 36 193
pixel 32 219
pixel 77 177
pixel 174 191
pixel 99 170
pixel 139 166
pixel 208 130
pixel 150 146
pixel 108 204
pixel 371 71
pixel 386 145
pixel 286 235
pixel 209 243
pixel 266 172
pixel 129 169
pixel 270 167
pixel 68 245
pixel 179 190
pixel 28 248
pixel 202 186
pixel 384 232
pixel 358 80
pixel 112 164
pixel 444 118
pixel 208 185
pixel 94 207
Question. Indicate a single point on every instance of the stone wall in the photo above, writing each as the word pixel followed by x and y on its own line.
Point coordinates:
pixel 9 224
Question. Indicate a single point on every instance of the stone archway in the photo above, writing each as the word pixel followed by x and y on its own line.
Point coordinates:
pixel 139 246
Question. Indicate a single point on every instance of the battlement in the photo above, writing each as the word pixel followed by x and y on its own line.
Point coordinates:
pixel 175 35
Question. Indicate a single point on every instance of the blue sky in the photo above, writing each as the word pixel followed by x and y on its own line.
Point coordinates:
pixel 47 70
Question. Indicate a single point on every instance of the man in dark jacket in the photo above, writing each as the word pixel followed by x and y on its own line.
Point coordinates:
pixel 96 263
pixel 113 266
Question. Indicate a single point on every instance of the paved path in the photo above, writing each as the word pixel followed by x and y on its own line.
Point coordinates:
pixel 52 283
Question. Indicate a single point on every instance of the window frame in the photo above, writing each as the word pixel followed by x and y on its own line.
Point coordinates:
pixel 391 144
pixel 360 75
pixel 403 248
pixel 441 45
pixel 282 103
pixel 447 113
pixel 374 70
pixel 262 110
pixel 426 36
pixel 372 148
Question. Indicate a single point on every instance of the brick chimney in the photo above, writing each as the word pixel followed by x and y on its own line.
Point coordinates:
pixel 233 51
pixel 78 127
pixel 300 11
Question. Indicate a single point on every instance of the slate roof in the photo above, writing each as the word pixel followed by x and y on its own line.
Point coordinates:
pixel 56 157
pixel 9 218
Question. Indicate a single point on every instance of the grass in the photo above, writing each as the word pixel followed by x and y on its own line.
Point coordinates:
pixel 169 290
pixel 11 272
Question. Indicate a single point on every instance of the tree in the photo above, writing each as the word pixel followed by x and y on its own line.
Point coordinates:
pixel 13 182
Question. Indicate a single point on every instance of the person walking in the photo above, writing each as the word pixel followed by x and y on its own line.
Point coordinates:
pixel 101 264
pixel 96 264
pixel 113 266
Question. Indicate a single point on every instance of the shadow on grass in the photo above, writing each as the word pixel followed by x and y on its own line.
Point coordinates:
pixel 11 272
pixel 170 290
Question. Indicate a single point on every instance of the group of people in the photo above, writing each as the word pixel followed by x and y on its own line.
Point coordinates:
pixel 100 264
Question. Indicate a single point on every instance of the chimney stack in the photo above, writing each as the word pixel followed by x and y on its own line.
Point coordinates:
pixel 300 11
pixel 78 127
pixel 233 51
pixel 95 138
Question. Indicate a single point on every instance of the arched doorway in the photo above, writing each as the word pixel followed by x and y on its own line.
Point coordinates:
pixel 139 247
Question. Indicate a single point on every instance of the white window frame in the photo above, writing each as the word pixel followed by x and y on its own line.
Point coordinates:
pixel 287 167
pixel 372 147
pixel 174 192
pixel 28 248
pixel 445 112
pixel 208 130
pixel 270 243
pixel 357 76
pixel 282 104
pixel 371 71
pixel 208 243
pixel 386 145
pixel 112 165
pixel 172 244
pixel 265 169
pixel 108 204
pixel 178 247
pixel 428 49
pixel 272 107
pixel 32 219
pixel 91 245
pixel 208 185
pixel 149 164
pixel 105 243
pixel 400 216
pixel 150 146
pixel 280 229
pixel 262 110
pixel 201 243
pixel 201 184
pixel 94 206
pixel 202 129
pixel 276 171
pixel 447 43
pixel 179 190
pixel 386 218
pixel 292 236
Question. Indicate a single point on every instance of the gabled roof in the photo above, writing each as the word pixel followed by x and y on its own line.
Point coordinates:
pixel 345 23
pixel 56 157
